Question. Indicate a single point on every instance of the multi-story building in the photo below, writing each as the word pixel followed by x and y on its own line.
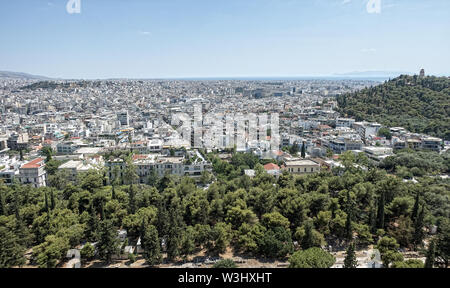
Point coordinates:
pixel 341 145
pixel 123 118
pixel 33 173
pixel 345 122
pixel 378 153
pixel 366 129
pixel 9 169
pixel 74 168
pixel 146 165
pixel 302 167
pixel 432 143
pixel 67 147
pixel 18 141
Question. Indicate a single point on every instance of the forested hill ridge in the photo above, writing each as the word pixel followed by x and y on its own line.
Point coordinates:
pixel 419 104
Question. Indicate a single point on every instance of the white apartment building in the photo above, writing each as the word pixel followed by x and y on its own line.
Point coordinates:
pixel 345 122
pixel 366 129
pixel 33 173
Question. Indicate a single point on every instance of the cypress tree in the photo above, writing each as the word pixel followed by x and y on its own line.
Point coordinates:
pixel 416 208
pixel 16 205
pixel 52 200
pixel 308 241
pixel 174 235
pixel 431 254
pixel 348 222
pixel 132 200
pixel 102 211
pixel 152 248
pixel 372 217
pixel 108 243
pixel 113 196
pixel 350 258
pixel 91 231
pixel 46 207
pixel 418 228
pixel 380 215
pixel 303 153
pixel 3 208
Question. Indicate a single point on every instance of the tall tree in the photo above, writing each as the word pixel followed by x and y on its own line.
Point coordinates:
pixel 431 254
pixel 46 207
pixel 130 177
pixel 415 210
pixel 418 228
pixel 372 216
pixel 11 250
pixel 151 245
pixel 48 152
pixel 92 226
pixel 350 258
pixel 3 207
pixel 303 153
pixel 348 222
pixel 380 214
pixel 108 244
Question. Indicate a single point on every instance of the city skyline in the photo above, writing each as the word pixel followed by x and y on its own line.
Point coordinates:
pixel 200 39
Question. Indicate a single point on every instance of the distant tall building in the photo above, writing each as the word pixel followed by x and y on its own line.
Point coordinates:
pixel 422 73
pixel 123 118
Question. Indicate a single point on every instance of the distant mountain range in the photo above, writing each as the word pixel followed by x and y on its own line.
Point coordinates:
pixel 391 74
pixel 19 75
pixel 356 74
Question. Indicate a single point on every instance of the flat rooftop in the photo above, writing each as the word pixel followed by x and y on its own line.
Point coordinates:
pixel 301 163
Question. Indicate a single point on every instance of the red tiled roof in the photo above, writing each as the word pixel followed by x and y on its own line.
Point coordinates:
pixel 139 156
pixel 271 166
pixel 33 164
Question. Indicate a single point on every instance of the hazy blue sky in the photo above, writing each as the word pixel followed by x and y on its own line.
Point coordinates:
pixel 214 38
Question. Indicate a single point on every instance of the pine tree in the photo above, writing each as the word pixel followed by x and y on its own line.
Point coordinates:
pixel 11 251
pixel 431 254
pixel 350 258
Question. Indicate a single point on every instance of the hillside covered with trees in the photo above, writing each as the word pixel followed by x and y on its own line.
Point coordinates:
pixel 421 105
pixel 261 217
